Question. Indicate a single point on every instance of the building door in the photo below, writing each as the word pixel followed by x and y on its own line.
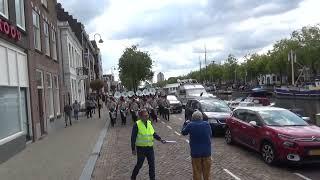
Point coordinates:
pixel 41 113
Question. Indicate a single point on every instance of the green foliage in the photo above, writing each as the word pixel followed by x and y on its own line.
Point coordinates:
pixel 96 85
pixel 134 66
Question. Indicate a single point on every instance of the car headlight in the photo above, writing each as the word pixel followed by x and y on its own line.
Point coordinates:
pixel 289 144
pixel 285 137
pixel 213 121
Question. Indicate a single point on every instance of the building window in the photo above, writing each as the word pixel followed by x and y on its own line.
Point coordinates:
pixel 10 123
pixel 57 94
pixel 45 3
pixel 46 38
pixel 53 45
pixel 21 22
pixel 36 30
pixel 4 8
pixel 39 79
pixel 50 107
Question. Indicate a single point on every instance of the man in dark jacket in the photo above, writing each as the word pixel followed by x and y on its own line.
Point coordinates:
pixel 67 114
pixel 200 145
pixel 142 144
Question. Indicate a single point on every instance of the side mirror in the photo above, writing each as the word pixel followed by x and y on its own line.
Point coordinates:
pixel 253 123
pixel 307 119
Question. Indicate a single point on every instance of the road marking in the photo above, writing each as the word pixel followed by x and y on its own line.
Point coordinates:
pixel 163 122
pixel 177 133
pixel 302 176
pixel 187 140
pixel 231 174
pixel 169 127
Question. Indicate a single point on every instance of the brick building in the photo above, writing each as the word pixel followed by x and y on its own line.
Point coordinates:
pixel 44 70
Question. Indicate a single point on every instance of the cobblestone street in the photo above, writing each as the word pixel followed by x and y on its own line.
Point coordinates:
pixel 173 160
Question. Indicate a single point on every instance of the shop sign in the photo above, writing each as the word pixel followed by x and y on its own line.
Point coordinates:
pixel 10 30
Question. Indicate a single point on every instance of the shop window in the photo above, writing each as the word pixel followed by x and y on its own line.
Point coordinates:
pixel 20 18
pixel 4 8
pixel 10 123
pixel 46 38
pixel 36 30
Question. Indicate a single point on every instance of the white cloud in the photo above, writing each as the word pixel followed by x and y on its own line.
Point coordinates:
pixel 173 31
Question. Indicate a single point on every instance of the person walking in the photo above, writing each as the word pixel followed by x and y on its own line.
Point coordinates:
pixel 112 107
pixel 67 114
pixel 154 106
pixel 88 108
pixel 142 138
pixel 76 109
pixel 166 106
pixel 200 145
pixel 134 108
pixel 123 106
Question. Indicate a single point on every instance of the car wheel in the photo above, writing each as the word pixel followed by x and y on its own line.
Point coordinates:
pixel 268 153
pixel 228 136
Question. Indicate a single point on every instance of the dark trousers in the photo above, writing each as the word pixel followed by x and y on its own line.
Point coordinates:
pixel 76 115
pixel 142 153
pixel 134 116
pixel 153 114
pixel 89 112
pixel 68 117
pixel 161 111
pixel 113 119
pixel 167 113
pixel 123 118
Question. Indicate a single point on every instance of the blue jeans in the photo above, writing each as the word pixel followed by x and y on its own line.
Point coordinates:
pixel 142 153
pixel 76 115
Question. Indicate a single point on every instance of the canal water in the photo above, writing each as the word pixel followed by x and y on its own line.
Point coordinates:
pixel 309 108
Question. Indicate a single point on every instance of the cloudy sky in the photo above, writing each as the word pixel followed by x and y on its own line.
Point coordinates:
pixel 175 32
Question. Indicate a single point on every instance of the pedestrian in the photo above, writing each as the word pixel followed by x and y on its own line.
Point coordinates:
pixel 166 106
pixel 123 110
pixel 76 109
pixel 112 107
pixel 142 138
pixel 134 108
pixel 88 108
pixel 200 145
pixel 67 114
pixel 99 108
pixel 154 106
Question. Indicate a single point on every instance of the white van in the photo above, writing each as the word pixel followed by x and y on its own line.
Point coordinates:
pixel 191 91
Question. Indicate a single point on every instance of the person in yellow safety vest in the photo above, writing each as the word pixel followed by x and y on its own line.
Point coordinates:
pixel 142 137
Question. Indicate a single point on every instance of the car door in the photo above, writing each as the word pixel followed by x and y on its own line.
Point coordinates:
pixel 250 132
pixel 236 124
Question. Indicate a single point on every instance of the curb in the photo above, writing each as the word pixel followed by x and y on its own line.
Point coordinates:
pixel 91 162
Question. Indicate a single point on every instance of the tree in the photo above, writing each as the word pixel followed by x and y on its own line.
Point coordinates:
pixel 96 85
pixel 134 66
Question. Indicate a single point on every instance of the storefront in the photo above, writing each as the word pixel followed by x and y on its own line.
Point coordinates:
pixel 14 100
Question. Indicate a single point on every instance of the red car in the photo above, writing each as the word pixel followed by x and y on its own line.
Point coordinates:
pixel 278 134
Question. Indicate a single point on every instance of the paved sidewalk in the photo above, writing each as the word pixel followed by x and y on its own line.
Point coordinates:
pixel 61 155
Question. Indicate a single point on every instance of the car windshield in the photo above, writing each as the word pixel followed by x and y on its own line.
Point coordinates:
pixel 195 91
pixel 172 98
pixel 281 118
pixel 215 106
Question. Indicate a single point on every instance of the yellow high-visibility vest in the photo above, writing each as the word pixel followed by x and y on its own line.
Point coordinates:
pixel 145 134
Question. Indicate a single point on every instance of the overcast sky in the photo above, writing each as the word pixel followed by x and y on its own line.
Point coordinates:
pixel 175 32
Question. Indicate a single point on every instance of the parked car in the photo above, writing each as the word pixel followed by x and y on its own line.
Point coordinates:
pixel 214 111
pixel 278 134
pixel 175 104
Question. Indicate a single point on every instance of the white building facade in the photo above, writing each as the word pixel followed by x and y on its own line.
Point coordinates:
pixel 71 52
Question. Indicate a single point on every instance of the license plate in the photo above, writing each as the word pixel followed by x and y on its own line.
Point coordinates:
pixel 314 152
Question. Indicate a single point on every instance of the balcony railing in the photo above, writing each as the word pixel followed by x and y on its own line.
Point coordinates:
pixel 82 71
